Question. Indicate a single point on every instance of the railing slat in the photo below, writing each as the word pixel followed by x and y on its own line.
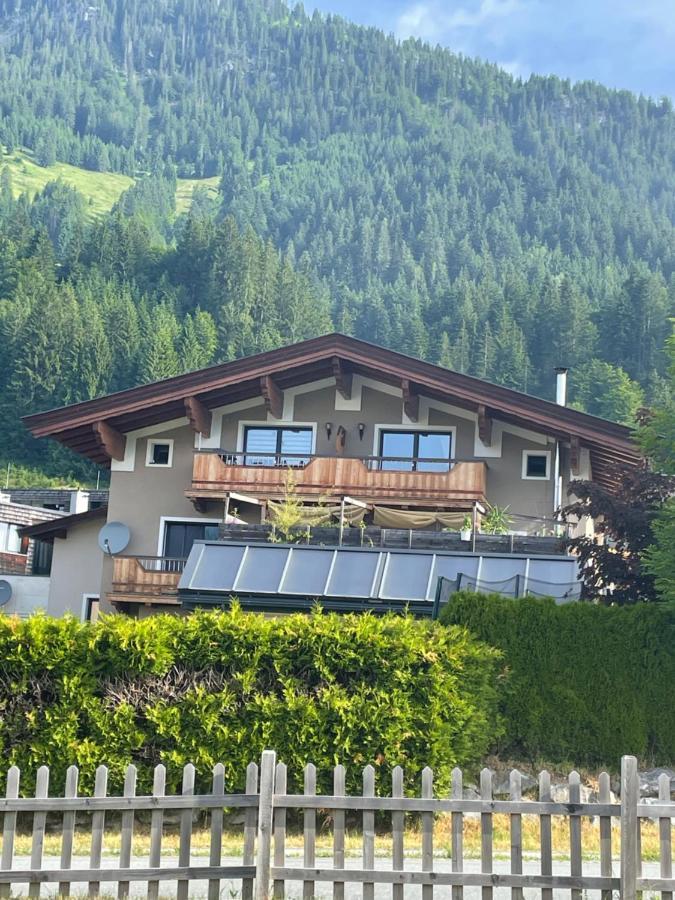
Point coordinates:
pixel 368 832
pixel 309 830
pixel 339 831
pixel 250 824
pixel 486 831
pixel 39 821
pixel 9 829
pixel 457 832
pixel 185 844
pixel 156 826
pixel 68 829
pixel 427 833
pixel 97 827
pixel 605 825
pixel 665 827
pixel 515 792
pixel 397 827
pixel 280 832
pixel 216 848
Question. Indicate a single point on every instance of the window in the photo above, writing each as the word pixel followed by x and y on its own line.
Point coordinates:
pixel 42 557
pixel 416 451
pixel 277 446
pixel 180 536
pixel 536 465
pixel 160 453
pixel 91 605
pixel 10 542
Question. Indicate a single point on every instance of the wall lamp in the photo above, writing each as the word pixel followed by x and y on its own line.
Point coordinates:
pixel 329 429
pixel 362 430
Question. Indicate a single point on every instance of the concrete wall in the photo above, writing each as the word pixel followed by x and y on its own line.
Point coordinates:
pixel 76 569
pixel 29 594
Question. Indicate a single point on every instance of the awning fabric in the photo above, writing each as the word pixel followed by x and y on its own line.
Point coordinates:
pixel 386 517
pixel 321 515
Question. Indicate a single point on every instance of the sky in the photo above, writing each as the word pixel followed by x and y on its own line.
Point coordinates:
pixel 620 43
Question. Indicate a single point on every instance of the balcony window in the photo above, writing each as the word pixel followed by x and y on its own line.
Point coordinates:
pixel 415 451
pixel 270 446
pixel 180 536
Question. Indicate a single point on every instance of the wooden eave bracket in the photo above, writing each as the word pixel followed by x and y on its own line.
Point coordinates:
pixel 110 440
pixel 199 416
pixel 273 396
pixel 343 378
pixel 484 426
pixel 575 455
pixel 411 401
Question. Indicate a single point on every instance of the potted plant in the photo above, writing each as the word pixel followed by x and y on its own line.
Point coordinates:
pixel 497 521
pixel 466 528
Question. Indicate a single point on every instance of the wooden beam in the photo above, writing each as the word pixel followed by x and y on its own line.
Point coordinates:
pixel 110 440
pixel 273 396
pixel 575 455
pixel 198 415
pixel 343 378
pixel 411 401
pixel 484 426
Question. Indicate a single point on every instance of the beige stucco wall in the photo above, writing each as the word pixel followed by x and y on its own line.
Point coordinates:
pixel 76 569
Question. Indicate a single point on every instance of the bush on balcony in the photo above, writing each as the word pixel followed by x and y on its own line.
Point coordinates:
pixel 222 686
pixel 585 683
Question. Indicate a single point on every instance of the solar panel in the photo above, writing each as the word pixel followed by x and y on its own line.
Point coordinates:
pixel 294 576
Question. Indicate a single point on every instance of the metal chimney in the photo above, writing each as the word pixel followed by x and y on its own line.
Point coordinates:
pixel 561 385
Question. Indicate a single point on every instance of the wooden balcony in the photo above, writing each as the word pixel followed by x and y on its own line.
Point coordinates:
pixel 420 483
pixel 151 580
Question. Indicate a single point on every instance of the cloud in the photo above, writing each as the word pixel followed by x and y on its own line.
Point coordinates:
pixel 622 43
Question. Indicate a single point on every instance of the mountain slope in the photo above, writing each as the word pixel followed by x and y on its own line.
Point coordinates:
pixel 448 210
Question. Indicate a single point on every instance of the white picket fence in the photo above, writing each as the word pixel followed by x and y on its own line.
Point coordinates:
pixel 264 867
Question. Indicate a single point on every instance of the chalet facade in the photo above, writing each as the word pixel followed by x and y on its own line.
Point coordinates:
pixel 398 442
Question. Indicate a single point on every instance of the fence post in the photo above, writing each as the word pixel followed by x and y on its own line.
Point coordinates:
pixel 265 812
pixel 630 795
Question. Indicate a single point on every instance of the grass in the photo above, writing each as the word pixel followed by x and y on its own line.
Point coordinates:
pixel 233 841
pixel 101 190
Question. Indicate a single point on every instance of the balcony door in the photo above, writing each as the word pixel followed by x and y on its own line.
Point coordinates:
pixel 273 446
pixel 416 451
pixel 180 536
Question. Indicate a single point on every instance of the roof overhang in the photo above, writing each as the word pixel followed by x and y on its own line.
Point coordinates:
pixel 59 528
pixel 97 428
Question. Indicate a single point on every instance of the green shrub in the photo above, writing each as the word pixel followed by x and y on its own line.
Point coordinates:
pixel 583 683
pixel 223 686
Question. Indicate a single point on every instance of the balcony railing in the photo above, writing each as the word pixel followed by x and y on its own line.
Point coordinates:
pixel 435 482
pixel 141 579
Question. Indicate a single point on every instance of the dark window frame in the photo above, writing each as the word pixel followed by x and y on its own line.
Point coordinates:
pixel 416 434
pixel 280 429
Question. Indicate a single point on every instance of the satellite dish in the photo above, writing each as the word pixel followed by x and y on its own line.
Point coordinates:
pixel 114 537
pixel 5 592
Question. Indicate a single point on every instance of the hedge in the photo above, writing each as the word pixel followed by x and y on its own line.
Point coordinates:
pixel 581 683
pixel 222 686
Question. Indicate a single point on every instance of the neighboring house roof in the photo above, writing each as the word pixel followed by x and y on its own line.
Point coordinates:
pixel 59 528
pixel 95 428
pixel 20 514
pixel 57 496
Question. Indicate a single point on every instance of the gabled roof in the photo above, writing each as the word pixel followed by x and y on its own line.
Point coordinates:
pixel 87 427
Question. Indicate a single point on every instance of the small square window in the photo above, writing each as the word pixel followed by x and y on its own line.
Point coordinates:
pixel 160 453
pixel 536 465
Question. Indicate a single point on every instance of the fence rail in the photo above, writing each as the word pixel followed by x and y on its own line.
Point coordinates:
pixel 264 869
